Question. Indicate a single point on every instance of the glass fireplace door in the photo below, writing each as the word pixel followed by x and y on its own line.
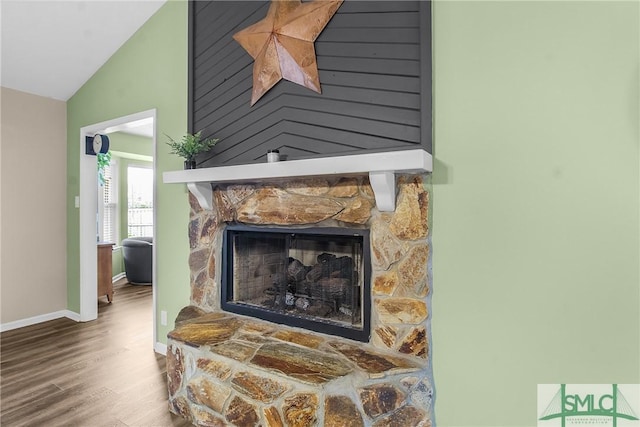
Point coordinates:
pixel 310 278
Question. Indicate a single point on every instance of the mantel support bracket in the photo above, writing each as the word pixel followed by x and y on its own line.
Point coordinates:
pixel 384 188
pixel 203 192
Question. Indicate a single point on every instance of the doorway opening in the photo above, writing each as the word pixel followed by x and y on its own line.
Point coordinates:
pixel 138 127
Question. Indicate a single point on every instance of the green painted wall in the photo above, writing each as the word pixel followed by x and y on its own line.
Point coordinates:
pixel 535 221
pixel 535 193
pixel 149 71
pixel 132 144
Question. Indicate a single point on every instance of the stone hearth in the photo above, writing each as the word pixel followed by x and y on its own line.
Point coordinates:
pixel 228 369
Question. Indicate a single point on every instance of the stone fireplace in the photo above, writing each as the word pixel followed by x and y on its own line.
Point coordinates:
pixel 309 307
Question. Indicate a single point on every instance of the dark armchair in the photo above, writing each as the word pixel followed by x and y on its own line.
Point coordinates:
pixel 137 254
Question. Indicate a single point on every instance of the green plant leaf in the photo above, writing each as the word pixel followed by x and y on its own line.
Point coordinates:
pixel 103 160
pixel 190 145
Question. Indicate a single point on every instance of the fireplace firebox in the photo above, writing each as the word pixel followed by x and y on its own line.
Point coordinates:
pixel 313 278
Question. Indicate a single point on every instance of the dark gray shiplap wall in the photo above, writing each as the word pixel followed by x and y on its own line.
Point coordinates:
pixel 374 59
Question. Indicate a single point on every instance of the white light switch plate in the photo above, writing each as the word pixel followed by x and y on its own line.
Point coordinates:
pixel 163 318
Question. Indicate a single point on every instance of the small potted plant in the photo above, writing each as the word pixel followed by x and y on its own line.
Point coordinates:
pixel 189 146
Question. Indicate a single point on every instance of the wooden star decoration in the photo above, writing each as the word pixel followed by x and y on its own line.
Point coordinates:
pixel 282 43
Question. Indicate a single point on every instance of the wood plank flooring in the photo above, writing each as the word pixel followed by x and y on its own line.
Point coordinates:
pixel 100 373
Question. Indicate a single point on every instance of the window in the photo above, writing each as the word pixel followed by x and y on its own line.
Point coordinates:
pixel 108 204
pixel 140 201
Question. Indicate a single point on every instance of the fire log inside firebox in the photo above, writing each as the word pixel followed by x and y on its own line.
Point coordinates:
pixel 324 289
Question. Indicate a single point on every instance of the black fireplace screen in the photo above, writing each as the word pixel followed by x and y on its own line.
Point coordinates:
pixel 316 278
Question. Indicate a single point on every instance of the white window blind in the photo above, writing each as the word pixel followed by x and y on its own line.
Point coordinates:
pixel 108 218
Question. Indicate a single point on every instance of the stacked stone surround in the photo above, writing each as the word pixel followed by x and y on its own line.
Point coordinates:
pixel 226 369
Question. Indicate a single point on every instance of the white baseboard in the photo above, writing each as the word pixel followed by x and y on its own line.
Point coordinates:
pixel 118 276
pixel 72 315
pixel 39 319
pixel 160 348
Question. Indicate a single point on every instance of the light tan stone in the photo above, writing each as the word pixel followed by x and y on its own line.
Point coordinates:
pixel 211 266
pixel 211 299
pixel 201 279
pixel 195 206
pixel 407 416
pixel 208 230
pixel 386 283
pixel 272 417
pixel 202 418
pixel 374 363
pixel 422 394
pixel 300 410
pixel 198 259
pixel 226 198
pixel 238 192
pixel 308 187
pixel 408 382
pixel 254 338
pixel 366 188
pixel 241 413
pixel 401 310
pixel 358 211
pixel 188 314
pixel 304 364
pixel 386 248
pixel 198 288
pixel 257 328
pixel 412 270
pixel 380 399
pixel 345 187
pixel 180 406
pixel 215 368
pixel 340 411
pixel 222 205
pixel 197 334
pixel 300 338
pixel 386 335
pixel 415 343
pixel 386 217
pixel 175 369
pixel 274 206
pixel 259 388
pixel 204 392
pixel 234 349
pixel 197 293
pixel 421 289
pixel 194 232
pixel 210 317
pixel 411 216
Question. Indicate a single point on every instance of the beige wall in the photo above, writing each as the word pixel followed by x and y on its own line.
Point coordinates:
pixel 33 277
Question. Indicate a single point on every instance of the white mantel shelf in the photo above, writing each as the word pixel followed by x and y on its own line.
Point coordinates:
pixel 381 168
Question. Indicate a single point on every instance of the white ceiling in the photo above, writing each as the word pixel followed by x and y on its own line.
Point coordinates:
pixel 51 48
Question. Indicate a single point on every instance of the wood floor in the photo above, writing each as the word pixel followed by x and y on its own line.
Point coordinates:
pixel 100 373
